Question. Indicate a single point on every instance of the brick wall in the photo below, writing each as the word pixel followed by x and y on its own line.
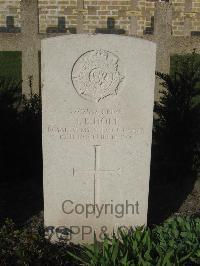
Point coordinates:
pixel 50 10
pixel 100 10
pixel 9 8
pixel 96 13
pixel 178 9
pixel 196 20
pixel 149 8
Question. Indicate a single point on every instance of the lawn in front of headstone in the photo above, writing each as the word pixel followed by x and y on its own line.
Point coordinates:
pixel 11 65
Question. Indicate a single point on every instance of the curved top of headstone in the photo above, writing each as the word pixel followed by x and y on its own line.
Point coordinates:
pixel 98 63
pixel 98 36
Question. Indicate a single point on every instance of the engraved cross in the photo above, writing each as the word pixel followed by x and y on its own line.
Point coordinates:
pixel 96 169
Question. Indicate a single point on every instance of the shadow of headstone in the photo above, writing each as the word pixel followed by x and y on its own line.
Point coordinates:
pixel 110 28
pixel 21 185
pixel 10 26
pixel 169 187
pixel 150 30
pixel 61 27
pixel 195 33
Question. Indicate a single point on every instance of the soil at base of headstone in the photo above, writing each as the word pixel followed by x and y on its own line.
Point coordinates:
pixel 191 205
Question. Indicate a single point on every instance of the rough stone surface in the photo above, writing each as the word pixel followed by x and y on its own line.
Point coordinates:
pixel 98 94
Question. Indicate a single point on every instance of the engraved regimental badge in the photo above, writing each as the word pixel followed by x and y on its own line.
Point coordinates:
pixel 96 75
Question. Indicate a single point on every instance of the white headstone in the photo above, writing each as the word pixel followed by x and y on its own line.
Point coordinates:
pixel 98 94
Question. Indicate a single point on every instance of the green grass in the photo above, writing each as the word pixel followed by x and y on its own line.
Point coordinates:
pixel 11 65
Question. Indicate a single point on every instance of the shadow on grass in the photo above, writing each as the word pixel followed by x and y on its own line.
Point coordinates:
pixel 167 195
pixel 21 200
pixel 21 188
pixel 21 192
